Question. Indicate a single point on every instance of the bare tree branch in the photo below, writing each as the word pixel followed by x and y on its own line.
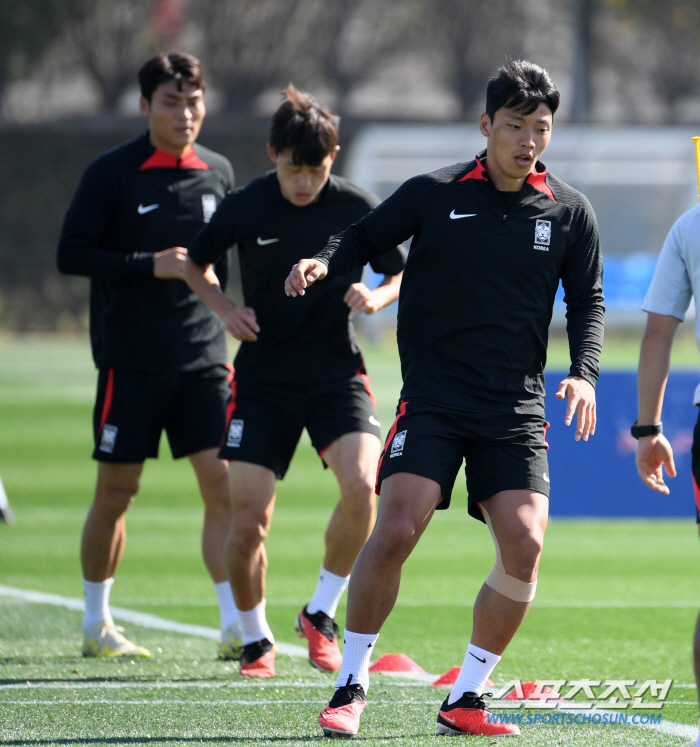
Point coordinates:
pixel 111 40
pixel 248 46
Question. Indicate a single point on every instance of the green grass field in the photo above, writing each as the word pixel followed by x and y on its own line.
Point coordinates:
pixel 617 600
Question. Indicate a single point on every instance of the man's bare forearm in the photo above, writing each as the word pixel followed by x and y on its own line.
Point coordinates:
pixel 387 291
pixel 654 366
pixel 205 284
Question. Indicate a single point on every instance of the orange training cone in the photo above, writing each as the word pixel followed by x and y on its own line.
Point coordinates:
pixel 395 663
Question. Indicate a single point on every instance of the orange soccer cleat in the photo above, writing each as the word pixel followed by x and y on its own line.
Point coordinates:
pixel 341 717
pixel 258 659
pixel 469 715
pixel 322 634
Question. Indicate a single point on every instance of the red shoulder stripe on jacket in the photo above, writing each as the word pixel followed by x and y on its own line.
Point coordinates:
pixel 159 159
pixel 537 180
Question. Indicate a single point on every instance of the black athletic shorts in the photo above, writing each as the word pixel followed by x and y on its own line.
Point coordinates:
pixel 503 451
pixel 265 421
pixel 695 456
pixel 133 408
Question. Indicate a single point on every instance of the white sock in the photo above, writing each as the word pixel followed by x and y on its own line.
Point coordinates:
pixel 254 624
pixel 96 603
pixel 478 665
pixel 357 650
pixel 228 614
pixel 329 589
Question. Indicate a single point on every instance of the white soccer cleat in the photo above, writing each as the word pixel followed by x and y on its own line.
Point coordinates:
pixel 105 641
pixel 231 643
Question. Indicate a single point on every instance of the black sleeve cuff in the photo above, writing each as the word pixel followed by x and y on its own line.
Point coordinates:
pixel 590 377
pixel 141 263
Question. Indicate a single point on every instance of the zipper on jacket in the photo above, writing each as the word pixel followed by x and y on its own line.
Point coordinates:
pixel 506 210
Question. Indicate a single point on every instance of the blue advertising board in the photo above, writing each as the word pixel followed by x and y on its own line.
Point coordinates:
pixel 598 477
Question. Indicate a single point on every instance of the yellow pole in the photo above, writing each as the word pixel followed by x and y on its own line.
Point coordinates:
pixel 696 140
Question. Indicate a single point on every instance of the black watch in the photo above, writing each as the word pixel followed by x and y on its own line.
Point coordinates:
pixel 640 431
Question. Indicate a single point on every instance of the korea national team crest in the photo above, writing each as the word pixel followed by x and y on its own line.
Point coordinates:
pixel 208 206
pixel 397 444
pixel 235 434
pixel 109 438
pixel 543 235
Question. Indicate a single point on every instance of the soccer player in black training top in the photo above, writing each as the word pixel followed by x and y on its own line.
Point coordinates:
pixel 298 366
pixel 491 240
pixel 160 351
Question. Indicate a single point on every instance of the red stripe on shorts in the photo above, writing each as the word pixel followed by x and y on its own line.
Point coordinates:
pixel 362 373
pixel 544 435
pixel 109 393
pixel 392 433
pixel 696 490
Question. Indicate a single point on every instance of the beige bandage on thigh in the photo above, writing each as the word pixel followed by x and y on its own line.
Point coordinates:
pixel 500 581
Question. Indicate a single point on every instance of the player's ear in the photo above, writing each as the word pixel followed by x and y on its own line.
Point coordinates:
pixel 334 153
pixel 272 154
pixel 485 124
pixel 144 106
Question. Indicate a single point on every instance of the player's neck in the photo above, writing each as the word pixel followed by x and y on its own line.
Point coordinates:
pixel 502 181
pixel 166 147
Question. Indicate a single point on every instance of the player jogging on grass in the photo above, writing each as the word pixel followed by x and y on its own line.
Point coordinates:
pixel 298 367
pixel 160 351
pixel 491 240
pixel 676 281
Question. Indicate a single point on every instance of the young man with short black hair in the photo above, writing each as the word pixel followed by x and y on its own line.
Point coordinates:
pixel 491 240
pixel 297 367
pixel 160 351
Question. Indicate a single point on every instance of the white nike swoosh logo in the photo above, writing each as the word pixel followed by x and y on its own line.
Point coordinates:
pixel 147 208
pixel 454 215
pixel 262 241
pixel 451 720
pixel 373 420
pixel 546 479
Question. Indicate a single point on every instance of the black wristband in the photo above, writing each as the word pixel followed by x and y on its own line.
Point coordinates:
pixel 640 431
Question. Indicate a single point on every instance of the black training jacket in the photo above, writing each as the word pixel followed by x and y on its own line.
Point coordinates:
pixel 307 343
pixel 477 294
pixel 132 202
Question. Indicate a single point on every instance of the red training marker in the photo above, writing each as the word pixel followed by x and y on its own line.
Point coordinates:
pixel 395 663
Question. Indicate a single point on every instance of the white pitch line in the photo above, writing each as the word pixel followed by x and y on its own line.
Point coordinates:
pixel 169 702
pixel 543 603
pixel 160 623
pixel 144 619
pixel 159 685
pixel 224 686
pixel 179 703
pixel 178 685
pixel 564 604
